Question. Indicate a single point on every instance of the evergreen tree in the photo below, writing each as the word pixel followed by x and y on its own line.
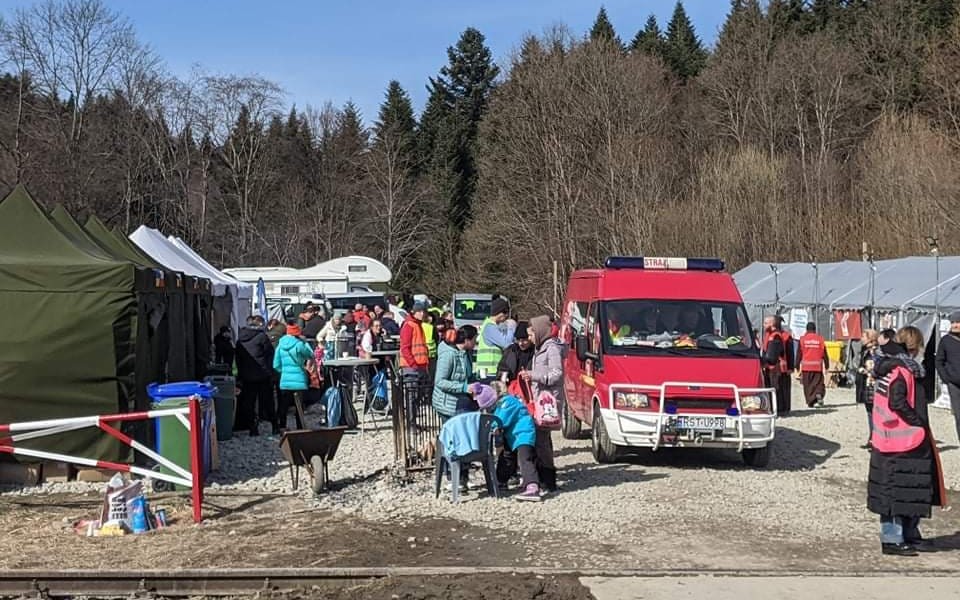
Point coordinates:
pixel 458 99
pixel 825 12
pixel 649 40
pixel 435 114
pixel 684 51
pixel 603 31
pixel 396 121
pixel 787 16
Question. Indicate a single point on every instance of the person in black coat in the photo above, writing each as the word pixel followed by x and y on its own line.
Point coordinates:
pixel 223 347
pixel 903 486
pixel 255 371
pixel 517 356
pixel 864 379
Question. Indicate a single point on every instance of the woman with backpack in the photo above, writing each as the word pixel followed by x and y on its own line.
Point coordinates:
pixel 545 375
pixel 290 360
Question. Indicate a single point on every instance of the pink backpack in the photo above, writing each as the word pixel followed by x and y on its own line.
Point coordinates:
pixel 546 411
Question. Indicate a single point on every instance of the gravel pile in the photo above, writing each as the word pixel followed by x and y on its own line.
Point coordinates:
pixel 818 466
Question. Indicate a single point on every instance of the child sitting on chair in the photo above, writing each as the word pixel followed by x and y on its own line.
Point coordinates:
pixel 519 432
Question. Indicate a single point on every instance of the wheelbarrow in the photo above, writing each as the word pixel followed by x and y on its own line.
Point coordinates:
pixel 312 449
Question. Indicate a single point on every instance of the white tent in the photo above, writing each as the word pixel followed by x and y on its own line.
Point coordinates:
pixel 228 307
pixel 245 291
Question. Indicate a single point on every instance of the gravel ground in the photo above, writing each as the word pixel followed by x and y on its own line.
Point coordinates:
pixel 682 508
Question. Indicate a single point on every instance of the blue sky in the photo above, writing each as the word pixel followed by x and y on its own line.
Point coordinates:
pixel 340 50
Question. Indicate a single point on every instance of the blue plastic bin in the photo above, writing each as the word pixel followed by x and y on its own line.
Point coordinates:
pixel 178 394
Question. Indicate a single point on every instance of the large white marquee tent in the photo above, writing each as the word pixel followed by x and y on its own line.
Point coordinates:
pixel 232 299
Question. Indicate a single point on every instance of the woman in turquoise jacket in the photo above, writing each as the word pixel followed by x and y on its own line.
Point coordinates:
pixel 454 374
pixel 289 360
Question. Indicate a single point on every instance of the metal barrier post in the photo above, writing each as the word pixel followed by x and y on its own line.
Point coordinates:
pixel 196 460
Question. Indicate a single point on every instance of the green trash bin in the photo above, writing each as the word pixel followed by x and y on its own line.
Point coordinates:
pixel 224 403
pixel 172 440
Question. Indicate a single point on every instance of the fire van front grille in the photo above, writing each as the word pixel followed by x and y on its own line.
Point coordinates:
pixel 699 403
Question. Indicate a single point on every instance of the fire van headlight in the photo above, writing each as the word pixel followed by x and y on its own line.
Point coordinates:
pixel 755 403
pixel 630 400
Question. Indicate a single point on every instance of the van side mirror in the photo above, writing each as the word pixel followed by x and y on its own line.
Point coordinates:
pixel 581 345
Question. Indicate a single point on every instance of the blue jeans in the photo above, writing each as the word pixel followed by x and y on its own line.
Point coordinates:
pixel 897 530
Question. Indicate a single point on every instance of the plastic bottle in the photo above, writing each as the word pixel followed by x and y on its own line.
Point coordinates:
pixel 138 520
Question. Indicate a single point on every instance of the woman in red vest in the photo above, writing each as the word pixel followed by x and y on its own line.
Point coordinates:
pixel 905 478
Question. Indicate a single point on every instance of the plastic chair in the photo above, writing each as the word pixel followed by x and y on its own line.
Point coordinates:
pixel 486 455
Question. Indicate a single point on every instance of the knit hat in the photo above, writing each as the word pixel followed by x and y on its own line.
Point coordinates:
pixel 294 330
pixel 540 326
pixel 955 316
pixel 521 332
pixel 484 395
pixel 498 306
pixel 418 306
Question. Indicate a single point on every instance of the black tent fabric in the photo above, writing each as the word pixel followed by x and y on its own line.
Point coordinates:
pixel 70 325
pixel 172 330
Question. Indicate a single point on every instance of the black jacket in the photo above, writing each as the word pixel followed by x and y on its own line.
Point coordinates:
pixel 773 353
pixel 904 483
pixel 254 355
pixel 223 349
pixel 313 327
pixel 948 359
pixel 390 326
pixel 514 359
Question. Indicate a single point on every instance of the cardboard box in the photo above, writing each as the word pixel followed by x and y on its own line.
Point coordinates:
pixel 94 475
pixel 57 472
pixel 12 473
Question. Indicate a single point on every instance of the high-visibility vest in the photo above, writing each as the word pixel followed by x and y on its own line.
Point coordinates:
pixel 488 357
pixel 431 341
pixel 812 350
pixel 617 332
pixel 890 432
pixel 781 365
pixel 418 347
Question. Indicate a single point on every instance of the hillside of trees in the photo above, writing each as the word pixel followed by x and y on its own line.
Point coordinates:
pixel 810 128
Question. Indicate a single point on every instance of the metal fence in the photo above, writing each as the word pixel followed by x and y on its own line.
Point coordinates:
pixel 415 424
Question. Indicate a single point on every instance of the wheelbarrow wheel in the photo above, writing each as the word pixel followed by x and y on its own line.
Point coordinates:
pixel 159 486
pixel 319 475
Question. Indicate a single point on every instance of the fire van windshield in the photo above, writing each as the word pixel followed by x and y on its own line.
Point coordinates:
pixel 676 327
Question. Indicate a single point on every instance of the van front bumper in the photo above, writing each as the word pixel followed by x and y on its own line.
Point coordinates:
pixel 658 428
pixel 637 429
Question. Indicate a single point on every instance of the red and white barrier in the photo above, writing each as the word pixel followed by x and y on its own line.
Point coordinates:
pixel 189 416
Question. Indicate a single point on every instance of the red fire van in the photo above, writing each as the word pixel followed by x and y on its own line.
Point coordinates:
pixel 664 357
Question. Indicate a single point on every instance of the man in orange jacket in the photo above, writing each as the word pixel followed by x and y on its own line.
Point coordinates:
pixel 813 363
pixel 414 363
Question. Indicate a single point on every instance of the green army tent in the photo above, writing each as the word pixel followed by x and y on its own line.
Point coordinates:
pixel 70 329
pixel 152 343
pixel 172 330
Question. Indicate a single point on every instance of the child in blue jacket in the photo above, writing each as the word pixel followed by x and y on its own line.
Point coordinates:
pixel 519 432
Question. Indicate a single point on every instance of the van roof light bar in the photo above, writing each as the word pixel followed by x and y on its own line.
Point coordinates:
pixel 664 263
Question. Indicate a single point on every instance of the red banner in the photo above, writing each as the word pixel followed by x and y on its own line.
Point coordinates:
pixel 847 325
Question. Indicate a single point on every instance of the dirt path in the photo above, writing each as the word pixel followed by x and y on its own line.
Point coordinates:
pixel 782 588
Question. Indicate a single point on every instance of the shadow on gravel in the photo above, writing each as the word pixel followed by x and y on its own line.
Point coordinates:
pixel 582 476
pixel 946 542
pixel 797 451
pixel 807 412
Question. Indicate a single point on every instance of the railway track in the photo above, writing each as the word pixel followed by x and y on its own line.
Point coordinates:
pixel 245 582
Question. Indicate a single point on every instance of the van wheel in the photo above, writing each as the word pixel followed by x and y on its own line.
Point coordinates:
pixel 757 458
pixel 571 424
pixel 604 451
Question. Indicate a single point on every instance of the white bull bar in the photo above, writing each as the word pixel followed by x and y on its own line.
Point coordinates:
pixel 661 391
